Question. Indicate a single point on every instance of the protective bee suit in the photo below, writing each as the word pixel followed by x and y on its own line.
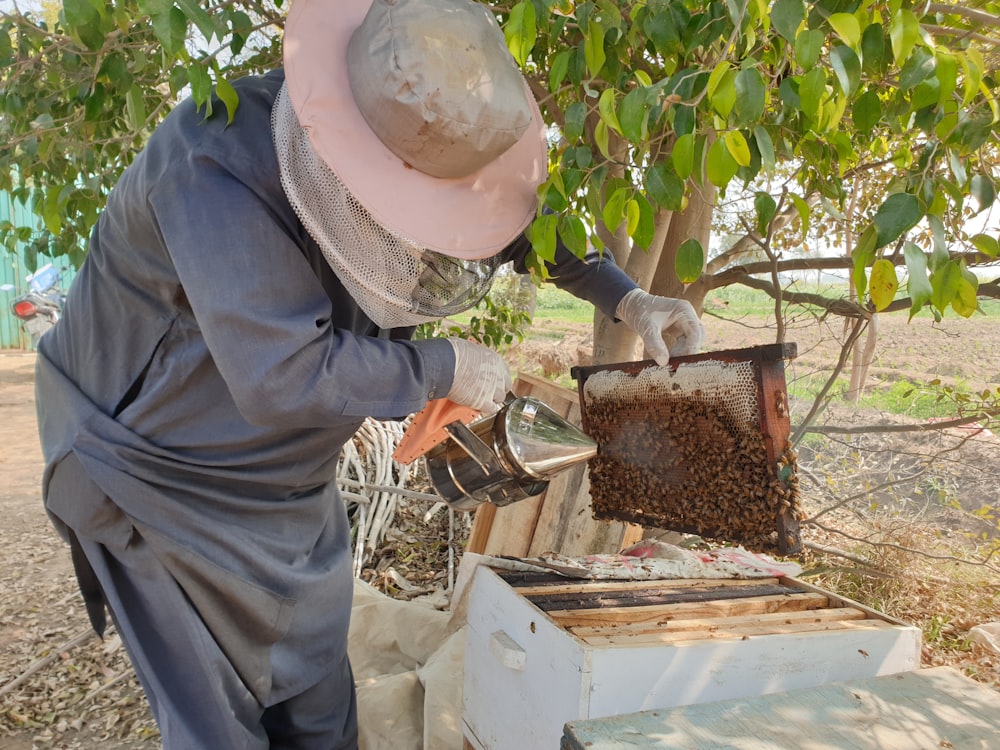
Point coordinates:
pixel 218 347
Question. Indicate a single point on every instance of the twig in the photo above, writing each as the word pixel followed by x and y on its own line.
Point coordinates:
pixel 868 569
pixel 125 673
pixel 922 427
pixel 984 563
pixel 396 490
pixel 39 664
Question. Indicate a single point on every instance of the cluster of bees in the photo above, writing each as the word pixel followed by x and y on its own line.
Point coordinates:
pixel 682 462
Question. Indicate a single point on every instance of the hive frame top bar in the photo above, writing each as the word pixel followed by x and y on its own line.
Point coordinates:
pixel 756 354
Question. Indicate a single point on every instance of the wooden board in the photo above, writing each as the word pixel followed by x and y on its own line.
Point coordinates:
pixel 558 520
pixel 923 710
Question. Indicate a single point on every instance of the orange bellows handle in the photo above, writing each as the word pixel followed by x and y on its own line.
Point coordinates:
pixel 428 428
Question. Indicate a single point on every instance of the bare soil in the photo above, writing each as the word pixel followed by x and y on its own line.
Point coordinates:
pixel 63 688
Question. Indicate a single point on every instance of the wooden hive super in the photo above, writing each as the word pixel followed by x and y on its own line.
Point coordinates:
pixel 542 650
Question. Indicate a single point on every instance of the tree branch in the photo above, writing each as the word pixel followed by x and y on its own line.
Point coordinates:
pixel 973 14
pixel 984 563
pixel 867 429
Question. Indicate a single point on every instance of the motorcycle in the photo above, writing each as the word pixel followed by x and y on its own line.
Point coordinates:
pixel 41 306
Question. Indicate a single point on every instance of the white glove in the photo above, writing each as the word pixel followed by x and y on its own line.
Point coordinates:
pixel 482 378
pixel 655 318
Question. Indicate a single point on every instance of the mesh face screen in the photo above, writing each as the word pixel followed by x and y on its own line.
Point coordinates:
pixel 685 449
pixel 395 281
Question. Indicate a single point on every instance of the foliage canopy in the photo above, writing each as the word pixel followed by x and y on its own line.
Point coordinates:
pixel 647 100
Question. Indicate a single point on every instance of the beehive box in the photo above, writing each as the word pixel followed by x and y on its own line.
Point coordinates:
pixel 542 651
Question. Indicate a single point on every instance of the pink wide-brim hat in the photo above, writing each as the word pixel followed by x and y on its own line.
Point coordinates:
pixel 469 217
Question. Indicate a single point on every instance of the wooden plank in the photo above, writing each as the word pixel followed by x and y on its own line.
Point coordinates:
pixel 629 630
pixel 742 632
pixel 665 612
pixel 653 598
pixel 924 710
pixel 597 587
pixel 558 520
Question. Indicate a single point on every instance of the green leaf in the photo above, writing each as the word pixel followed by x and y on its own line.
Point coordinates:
pixel 883 283
pixel 665 187
pixel 873 49
pixel 847 28
pixel 558 68
pixel 847 66
pixel 593 48
pixel 808 46
pixel 683 155
pixel 944 285
pixel 862 256
pixel 720 165
pixel 52 210
pixel 867 112
pixel 631 216
pixel 812 91
pixel 606 108
pixel 986 244
pixel 751 96
pixel 542 233
pixel 803 210
pixel 904 33
pixel 614 208
pixel 573 233
pixel 84 21
pixel 765 207
pixel 576 117
pixel 135 109
pixel 690 261
pixel 659 25
pixel 199 16
pixel 966 300
pixel 738 147
pixel 918 285
pixel 201 85
pixel 724 97
pixel 787 16
pixel 765 147
pixel 947 76
pixel 227 94
pixel 982 189
pixel 634 111
pixel 899 213
pixel 169 23
pixel 644 229
pixel 520 31
pixel 918 67
pixel 601 137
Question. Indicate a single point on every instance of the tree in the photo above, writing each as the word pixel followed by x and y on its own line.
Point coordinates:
pixel 658 106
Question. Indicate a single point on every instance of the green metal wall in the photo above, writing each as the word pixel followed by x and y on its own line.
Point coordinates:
pixel 13 269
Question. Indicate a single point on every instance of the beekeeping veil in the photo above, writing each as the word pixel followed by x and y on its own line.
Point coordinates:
pixel 409 146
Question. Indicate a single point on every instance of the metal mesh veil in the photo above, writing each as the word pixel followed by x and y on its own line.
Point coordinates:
pixel 395 281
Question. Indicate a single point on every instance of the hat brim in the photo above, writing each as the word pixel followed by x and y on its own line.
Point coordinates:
pixel 469 217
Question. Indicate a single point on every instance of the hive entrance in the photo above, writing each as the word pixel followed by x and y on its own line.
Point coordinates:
pixel 699 446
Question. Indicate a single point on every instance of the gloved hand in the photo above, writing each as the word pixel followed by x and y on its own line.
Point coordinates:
pixel 654 317
pixel 482 378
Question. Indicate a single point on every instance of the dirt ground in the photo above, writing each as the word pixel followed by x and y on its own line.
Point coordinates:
pixel 61 687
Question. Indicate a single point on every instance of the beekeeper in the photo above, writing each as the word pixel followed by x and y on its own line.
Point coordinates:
pixel 247 301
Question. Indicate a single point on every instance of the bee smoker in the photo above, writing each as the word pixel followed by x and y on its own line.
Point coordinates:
pixel 507 456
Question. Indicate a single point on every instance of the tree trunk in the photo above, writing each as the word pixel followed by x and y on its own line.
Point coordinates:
pixel 694 222
pixel 612 341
